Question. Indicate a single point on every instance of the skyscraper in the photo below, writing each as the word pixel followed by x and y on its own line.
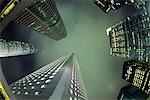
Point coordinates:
pixel 131 92
pixel 74 89
pixel 107 5
pixel 39 15
pixel 15 48
pixel 131 37
pixel 42 16
pixel 56 81
pixel 138 74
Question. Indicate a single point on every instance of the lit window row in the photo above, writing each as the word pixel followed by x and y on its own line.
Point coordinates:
pixel 38 80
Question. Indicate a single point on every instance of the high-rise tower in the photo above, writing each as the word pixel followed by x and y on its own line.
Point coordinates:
pixel 15 48
pixel 131 37
pixel 138 74
pixel 58 80
pixel 39 15
pixel 107 5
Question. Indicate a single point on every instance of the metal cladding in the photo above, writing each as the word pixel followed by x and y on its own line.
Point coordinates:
pixel 15 48
pixel 56 81
pixel 42 16
pixel 107 5
pixel 130 92
pixel 138 74
pixel 131 37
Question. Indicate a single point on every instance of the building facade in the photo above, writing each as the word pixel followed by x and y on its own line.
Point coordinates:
pixel 107 5
pixel 131 92
pixel 56 81
pixel 3 94
pixel 138 74
pixel 74 89
pixel 9 9
pixel 15 48
pixel 131 37
pixel 42 16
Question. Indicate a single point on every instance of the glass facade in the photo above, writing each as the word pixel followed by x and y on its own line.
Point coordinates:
pixel 131 37
pixel 42 16
pixel 107 5
pixel 15 48
pixel 138 74
pixel 58 80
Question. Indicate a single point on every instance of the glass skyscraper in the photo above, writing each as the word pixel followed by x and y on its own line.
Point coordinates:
pixel 138 74
pixel 59 80
pixel 107 5
pixel 41 16
pixel 131 37
pixel 15 48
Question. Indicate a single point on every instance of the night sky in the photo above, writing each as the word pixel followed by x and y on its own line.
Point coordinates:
pixel 86 26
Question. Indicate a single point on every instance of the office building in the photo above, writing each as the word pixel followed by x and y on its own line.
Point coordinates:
pixel 74 89
pixel 131 37
pixel 107 5
pixel 138 74
pixel 131 92
pixel 58 80
pixel 15 48
pixel 42 16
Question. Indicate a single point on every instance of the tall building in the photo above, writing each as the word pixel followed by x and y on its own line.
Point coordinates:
pixel 131 92
pixel 58 80
pixel 131 37
pixel 3 94
pixel 138 74
pixel 15 48
pixel 107 5
pixel 39 15
pixel 42 16
pixel 74 89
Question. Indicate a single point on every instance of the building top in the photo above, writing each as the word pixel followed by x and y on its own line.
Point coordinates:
pixel 107 5
pixel 15 48
pixel 58 80
pixel 138 74
pixel 43 17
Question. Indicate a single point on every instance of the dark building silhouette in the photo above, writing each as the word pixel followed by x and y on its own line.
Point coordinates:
pixel 138 74
pixel 107 5
pixel 58 80
pixel 131 92
pixel 9 9
pixel 15 48
pixel 131 37
pixel 39 15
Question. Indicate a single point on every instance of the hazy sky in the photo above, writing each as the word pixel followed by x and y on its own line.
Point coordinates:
pixel 86 25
